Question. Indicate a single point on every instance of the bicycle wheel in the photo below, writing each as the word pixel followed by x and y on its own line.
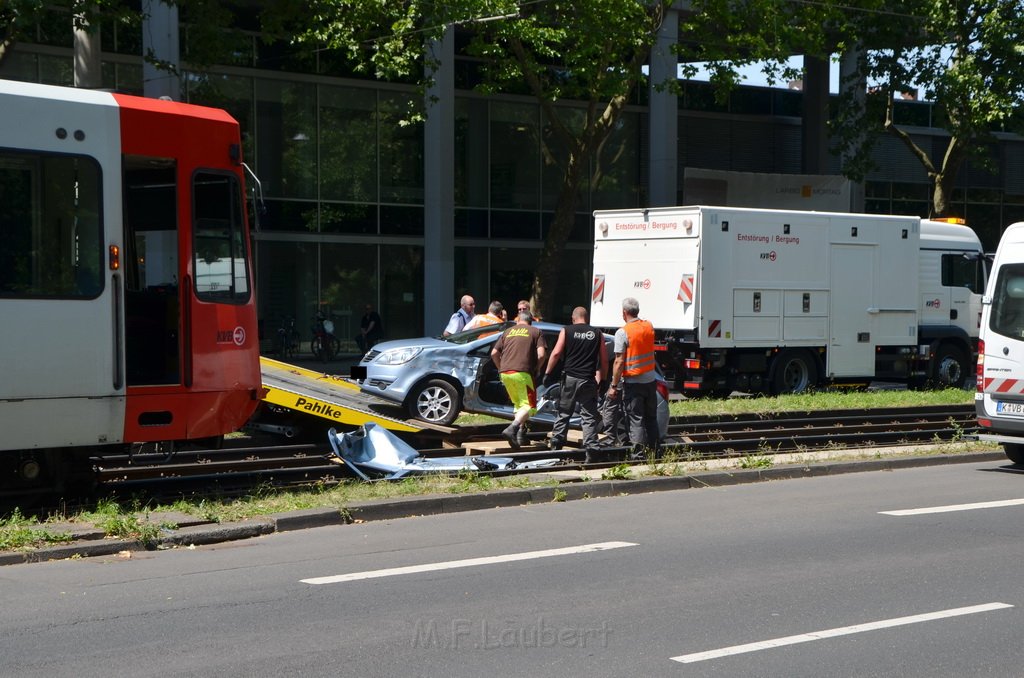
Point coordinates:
pixel 331 348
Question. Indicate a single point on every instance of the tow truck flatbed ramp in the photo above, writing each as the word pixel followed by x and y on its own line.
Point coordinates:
pixel 336 399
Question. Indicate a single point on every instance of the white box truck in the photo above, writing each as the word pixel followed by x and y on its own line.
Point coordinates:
pixel 999 398
pixel 776 300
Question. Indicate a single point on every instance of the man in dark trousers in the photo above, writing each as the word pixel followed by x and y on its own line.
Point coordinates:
pixel 518 355
pixel 370 330
pixel 633 378
pixel 586 364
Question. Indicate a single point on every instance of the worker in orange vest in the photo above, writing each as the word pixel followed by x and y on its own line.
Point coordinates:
pixel 633 379
pixel 492 317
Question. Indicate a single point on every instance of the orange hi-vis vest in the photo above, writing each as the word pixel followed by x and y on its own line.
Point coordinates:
pixel 489 319
pixel 640 351
pixel 483 321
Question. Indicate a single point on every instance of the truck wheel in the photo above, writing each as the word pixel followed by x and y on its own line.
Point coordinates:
pixel 951 367
pixel 1014 453
pixel 435 401
pixel 795 371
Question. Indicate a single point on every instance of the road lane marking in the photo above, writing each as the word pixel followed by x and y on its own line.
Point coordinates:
pixel 470 562
pixel 832 633
pixel 954 507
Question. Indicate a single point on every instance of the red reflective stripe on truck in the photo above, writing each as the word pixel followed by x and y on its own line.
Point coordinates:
pixel 686 289
pixel 597 292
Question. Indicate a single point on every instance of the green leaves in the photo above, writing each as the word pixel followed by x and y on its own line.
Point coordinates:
pixel 962 55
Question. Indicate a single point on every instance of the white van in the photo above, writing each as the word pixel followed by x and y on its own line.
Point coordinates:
pixel 999 399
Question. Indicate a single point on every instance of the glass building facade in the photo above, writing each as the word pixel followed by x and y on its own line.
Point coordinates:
pixel 343 182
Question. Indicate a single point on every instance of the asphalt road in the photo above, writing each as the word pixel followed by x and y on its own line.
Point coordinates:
pixel 793 578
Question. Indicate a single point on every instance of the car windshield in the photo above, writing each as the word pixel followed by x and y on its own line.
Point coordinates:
pixel 476 333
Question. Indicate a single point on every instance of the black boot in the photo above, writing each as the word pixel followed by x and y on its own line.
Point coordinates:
pixel 521 436
pixel 511 434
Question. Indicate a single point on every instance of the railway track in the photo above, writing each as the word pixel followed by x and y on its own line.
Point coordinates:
pixel 231 469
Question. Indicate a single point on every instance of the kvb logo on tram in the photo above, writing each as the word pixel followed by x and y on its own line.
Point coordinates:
pixel 769 256
pixel 235 336
pixel 642 284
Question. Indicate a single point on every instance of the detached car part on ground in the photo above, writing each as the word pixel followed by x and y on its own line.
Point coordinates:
pixel 436 378
pixel 371 451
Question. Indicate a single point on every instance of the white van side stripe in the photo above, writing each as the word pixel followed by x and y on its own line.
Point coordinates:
pixel 1008 386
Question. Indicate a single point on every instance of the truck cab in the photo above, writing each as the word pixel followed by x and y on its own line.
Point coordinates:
pixel 952 279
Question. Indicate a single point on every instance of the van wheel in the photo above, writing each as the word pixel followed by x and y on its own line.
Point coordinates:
pixel 951 367
pixel 795 371
pixel 1014 453
pixel 435 401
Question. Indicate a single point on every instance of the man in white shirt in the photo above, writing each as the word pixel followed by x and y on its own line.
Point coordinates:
pixel 461 317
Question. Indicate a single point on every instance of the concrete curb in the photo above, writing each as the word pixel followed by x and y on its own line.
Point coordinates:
pixel 391 509
pixel 198 535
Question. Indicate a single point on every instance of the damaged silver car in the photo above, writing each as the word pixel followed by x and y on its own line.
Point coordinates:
pixel 436 378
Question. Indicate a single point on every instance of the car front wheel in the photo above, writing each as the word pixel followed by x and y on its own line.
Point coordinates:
pixel 435 401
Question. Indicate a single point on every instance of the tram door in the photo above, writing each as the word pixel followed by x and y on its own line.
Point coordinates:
pixel 152 300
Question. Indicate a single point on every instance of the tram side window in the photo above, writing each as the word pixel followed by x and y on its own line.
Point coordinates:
pixel 50 226
pixel 221 260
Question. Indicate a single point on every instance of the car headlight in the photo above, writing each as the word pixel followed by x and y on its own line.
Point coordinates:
pixel 398 356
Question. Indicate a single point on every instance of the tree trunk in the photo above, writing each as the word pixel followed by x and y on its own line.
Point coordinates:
pixel 7 37
pixel 940 194
pixel 945 178
pixel 549 266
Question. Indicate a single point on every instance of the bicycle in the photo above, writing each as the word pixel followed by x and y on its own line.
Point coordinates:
pixel 324 346
pixel 287 339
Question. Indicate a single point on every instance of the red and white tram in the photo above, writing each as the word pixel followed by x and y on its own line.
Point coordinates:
pixel 127 309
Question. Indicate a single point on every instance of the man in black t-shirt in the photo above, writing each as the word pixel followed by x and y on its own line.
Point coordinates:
pixel 586 363
pixel 370 329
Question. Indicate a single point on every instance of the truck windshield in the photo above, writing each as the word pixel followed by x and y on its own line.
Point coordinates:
pixel 1007 316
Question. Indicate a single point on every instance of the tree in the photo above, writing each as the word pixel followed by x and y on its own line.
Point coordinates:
pixel 587 52
pixel 19 18
pixel 968 58
pixel 728 35
pixel 208 40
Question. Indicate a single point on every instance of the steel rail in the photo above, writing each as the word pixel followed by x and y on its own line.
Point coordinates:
pixel 693 437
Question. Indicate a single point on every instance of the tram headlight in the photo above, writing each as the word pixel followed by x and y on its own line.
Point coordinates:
pixel 398 356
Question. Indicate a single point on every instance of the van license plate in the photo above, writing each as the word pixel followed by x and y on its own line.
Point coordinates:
pixel 1009 408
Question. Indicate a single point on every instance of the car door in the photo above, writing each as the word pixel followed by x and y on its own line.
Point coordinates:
pixel 491 395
